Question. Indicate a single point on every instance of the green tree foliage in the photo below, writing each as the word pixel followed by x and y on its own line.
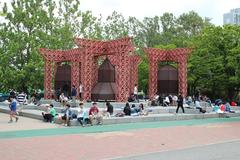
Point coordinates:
pixel 143 74
pixel 28 26
pixel 189 25
pixel 115 26
pixel 168 23
pixel 214 64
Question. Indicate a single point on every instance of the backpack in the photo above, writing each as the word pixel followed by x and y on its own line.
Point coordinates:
pixel 74 115
pixel 119 115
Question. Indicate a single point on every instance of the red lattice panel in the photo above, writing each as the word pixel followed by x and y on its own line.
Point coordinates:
pixel 75 74
pixel 134 62
pixel 95 71
pixel 48 80
pixel 178 55
pixel 85 66
pixel 87 75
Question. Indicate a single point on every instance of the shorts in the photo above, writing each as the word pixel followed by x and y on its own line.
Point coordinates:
pixel 14 109
pixel 65 117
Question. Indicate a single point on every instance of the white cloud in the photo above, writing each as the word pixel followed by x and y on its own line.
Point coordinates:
pixel 147 8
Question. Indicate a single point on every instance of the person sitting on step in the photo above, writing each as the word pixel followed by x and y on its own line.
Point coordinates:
pixel 67 115
pixel 82 116
pixel 95 114
pixel 50 113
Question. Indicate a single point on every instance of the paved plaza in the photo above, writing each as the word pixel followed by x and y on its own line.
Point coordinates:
pixel 31 139
pixel 219 151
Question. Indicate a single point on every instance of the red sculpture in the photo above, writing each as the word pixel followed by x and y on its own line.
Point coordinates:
pixel 84 63
pixel 179 55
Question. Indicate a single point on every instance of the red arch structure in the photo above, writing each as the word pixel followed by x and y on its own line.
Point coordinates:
pixel 179 55
pixel 84 64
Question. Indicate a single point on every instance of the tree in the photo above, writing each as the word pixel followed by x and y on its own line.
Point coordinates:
pixel 169 32
pixel 214 66
pixel 28 26
pixel 115 26
pixel 189 25
pixel 151 31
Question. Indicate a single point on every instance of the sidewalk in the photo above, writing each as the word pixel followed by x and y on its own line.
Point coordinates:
pixel 103 145
pixel 23 124
pixel 37 128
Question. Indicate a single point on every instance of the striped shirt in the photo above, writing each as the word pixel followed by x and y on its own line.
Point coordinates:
pixel 21 98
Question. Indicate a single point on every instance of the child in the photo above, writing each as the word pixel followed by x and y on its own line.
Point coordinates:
pixel 13 108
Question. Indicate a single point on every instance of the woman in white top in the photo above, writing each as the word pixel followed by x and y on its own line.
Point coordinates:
pixel 61 97
pixel 82 116
pixel 80 91
pixel 135 92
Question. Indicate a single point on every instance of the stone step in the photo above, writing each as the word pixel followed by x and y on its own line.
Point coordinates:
pixel 152 110
pixel 36 114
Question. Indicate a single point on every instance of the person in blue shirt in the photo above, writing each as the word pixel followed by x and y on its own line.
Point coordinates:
pixel 74 94
pixel 67 115
pixel 13 109
pixel 82 116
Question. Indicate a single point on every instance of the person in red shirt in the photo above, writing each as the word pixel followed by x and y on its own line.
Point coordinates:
pixel 233 103
pixel 95 114
pixel 222 107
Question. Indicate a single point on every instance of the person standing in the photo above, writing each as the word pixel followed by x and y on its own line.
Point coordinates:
pixel 21 100
pixel 135 92
pixel 13 109
pixel 180 103
pixel 80 91
pixel 74 94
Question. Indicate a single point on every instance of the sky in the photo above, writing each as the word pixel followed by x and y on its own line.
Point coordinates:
pixel 213 9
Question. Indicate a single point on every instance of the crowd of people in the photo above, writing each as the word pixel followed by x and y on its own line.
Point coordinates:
pixel 92 115
pixel 197 101
pixel 85 116
pixel 15 99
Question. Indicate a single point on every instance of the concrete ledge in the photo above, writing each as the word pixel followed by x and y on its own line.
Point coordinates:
pixel 227 115
pixel 37 114
pixel 4 110
pixel 89 104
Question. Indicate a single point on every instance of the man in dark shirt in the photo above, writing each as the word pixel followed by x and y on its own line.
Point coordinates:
pixel 109 108
pixel 74 94
pixel 127 110
pixel 180 103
